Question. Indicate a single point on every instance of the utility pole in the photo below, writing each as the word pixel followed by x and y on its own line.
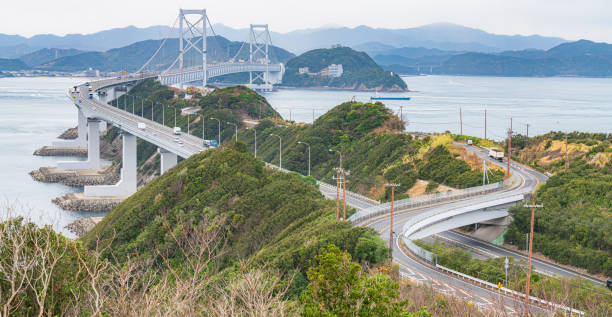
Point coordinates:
pixel 527 132
pixel 485 124
pixel 203 127
pixel 533 207
pixel 401 114
pixel 152 110
pixel 506 267
pixel 255 130
pixel 290 115
pixel 142 109
pixel 566 154
pixel 391 227
pixel 312 115
pixel 344 175
pixel 163 115
pixel 461 121
pixel 509 148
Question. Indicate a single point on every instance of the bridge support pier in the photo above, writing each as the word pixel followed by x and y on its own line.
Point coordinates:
pixel 128 184
pixel 168 160
pixel 81 140
pixel 93 150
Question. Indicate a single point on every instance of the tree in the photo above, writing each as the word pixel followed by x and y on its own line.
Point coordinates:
pixel 339 287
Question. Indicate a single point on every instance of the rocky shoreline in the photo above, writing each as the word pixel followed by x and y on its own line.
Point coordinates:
pixel 107 175
pixel 83 225
pixel 61 151
pixel 80 202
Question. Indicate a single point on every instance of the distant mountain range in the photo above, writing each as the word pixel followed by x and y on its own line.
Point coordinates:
pixel 442 36
pixel 14 46
pixel 133 56
pixel 580 58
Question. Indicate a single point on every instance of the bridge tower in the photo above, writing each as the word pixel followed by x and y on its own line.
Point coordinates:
pixel 258 53
pixel 190 35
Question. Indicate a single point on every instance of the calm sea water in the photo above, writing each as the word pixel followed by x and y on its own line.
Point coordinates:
pixel 565 104
pixel 34 111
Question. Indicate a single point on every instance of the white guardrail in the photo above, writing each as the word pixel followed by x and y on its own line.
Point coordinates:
pixel 427 200
pixel 331 187
pixel 510 292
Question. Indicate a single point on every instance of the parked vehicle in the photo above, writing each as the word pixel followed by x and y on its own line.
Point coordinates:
pixel 142 125
pixel 177 130
pixel 496 154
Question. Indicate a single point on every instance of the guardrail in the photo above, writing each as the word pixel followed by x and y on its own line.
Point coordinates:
pixel 427 200
pixel 509 292
pixel 331 187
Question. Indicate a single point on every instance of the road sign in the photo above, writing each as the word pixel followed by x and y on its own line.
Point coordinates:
pixel 500 285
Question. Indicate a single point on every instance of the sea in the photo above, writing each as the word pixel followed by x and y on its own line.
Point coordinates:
pixel 34 111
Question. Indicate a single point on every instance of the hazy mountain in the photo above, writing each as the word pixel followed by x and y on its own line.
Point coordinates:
pixel 132 57
pixel 12 64
pixel 46 55
pixel 580 58
pixel 442 36
pixel 99 41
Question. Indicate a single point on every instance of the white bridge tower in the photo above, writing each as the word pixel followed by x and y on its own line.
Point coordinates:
pixel 191 35
pixel 258 53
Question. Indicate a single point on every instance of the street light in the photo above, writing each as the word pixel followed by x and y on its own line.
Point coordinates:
pixel 236 126
pixel 255 130
pixel 300 142
pixel 219 126
pixel 391 226
pixel 280 150
pixel 332 150
pixel 203 127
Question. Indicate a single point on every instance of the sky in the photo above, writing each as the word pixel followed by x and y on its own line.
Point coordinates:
pixel 568 19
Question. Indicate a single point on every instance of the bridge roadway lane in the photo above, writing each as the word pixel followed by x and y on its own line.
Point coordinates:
pixel 154 132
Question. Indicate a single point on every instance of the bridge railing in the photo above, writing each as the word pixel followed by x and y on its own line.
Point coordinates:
pixel 427 200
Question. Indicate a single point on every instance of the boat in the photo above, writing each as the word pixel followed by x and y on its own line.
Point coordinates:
pixel 389 98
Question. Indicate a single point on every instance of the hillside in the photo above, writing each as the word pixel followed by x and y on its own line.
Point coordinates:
pixel 12 64
pixel 46 55
pixel 374 150
pixel 261 213
pixel 360 72
pixel 574 226
pixel 133 56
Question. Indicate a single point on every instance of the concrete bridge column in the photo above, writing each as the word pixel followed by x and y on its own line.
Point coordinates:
pixel 93 150
pixel 168 160
pixel 81 140
pixel 128 184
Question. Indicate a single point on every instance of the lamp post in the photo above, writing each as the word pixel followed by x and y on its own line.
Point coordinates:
pixel 203 127
pixel 255 130
pixel 280 150
pixel 188 123
pixel 300 142
pixel 175 117
pixel 236 127
pixel 219 127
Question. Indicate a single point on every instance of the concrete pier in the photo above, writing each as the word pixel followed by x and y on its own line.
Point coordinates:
pixel 93 149
pixel 127 185
pixel 168 160
pixel 81 140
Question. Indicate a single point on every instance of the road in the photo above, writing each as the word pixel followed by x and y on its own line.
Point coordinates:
pixel 412 268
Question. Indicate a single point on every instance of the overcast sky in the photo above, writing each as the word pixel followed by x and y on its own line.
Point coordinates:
pixel 569 19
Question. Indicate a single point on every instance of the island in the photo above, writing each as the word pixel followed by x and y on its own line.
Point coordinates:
pixel 339 68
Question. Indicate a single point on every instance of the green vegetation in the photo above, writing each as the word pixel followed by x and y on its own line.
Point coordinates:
pixel 338 288
pixel 373 149
pixel 360 71
pixel 574 227
pixel 12 64
pixel 576 292
pixel 262 213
